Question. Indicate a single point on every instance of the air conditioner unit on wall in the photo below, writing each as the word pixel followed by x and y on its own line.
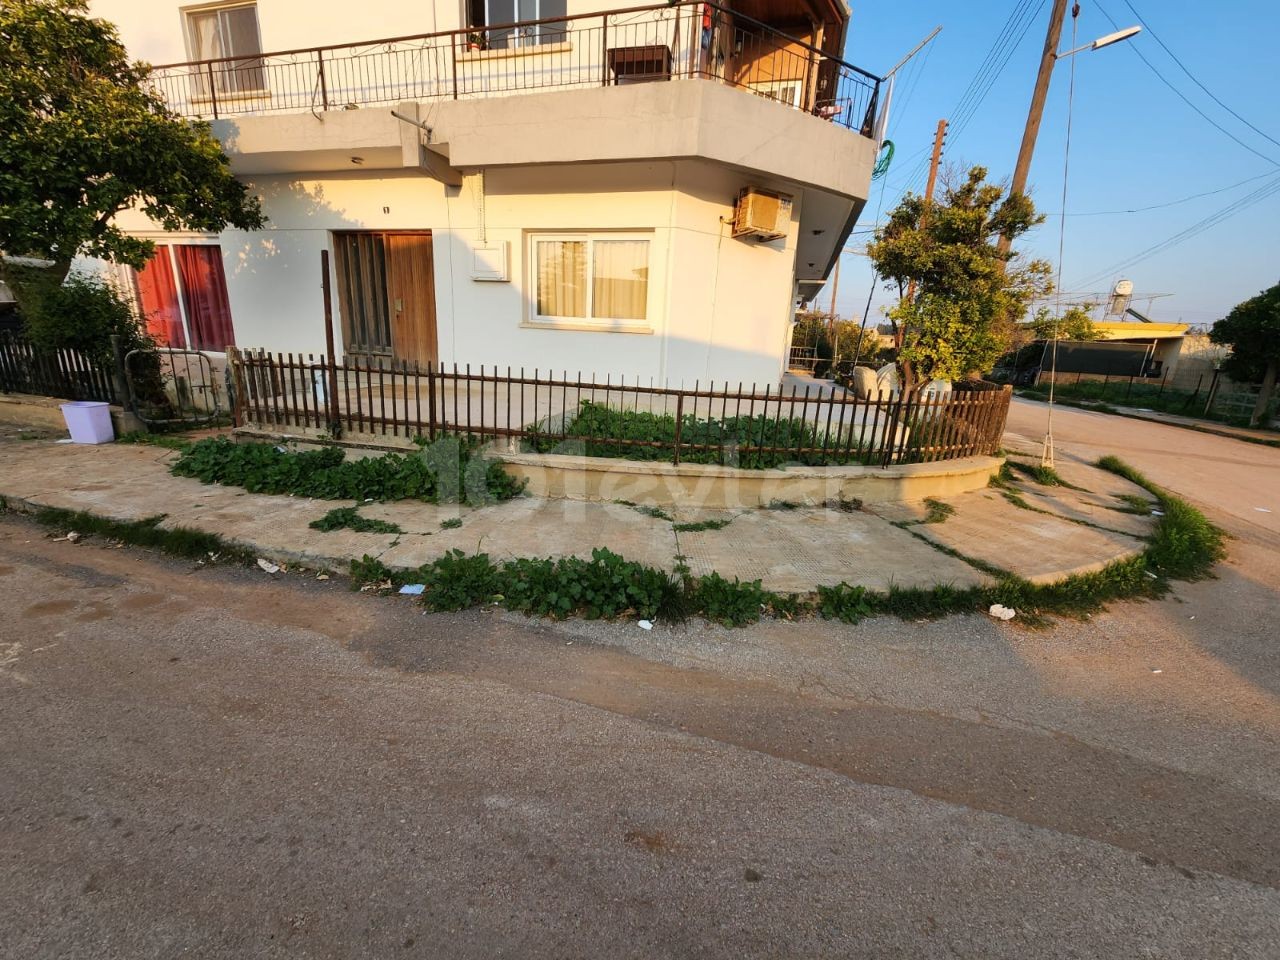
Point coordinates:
pixel 762 214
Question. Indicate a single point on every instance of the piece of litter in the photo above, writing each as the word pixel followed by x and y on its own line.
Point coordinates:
pixel 368 499
pixel 1001 612
pixel 1151 575
pixel 73 537
pixel 1262 509
pixel 1157 670
pixel 645 624
pixel 1192 617
pixel 267 566
pixel 1157 513
pixel 413 589
pixel 322 576
pixel 68 440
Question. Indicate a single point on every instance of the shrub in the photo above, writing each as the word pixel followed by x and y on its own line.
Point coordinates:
pixel 457 581
pixel 731 602
pixel 325 474
pixel 83 314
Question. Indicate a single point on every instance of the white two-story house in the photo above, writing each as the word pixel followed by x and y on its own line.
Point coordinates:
pixel 550 184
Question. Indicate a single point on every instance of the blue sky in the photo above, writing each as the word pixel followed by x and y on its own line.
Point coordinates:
pixel 1134 143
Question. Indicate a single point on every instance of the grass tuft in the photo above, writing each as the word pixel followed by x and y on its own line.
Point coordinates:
pixel 938 511
pixel 178 541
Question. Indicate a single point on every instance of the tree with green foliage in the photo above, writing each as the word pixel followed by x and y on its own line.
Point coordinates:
pixel 1252 330
pixel 1075 324
pixel 969 295
pixel 83 138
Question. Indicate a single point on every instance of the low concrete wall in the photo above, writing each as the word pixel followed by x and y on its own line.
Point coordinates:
pixel 701 485
pixel 27 410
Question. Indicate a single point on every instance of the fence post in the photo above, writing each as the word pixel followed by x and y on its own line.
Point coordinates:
pixel 213 93
pixel 119 377
pixel 331 360
pixel 679 424
pixel 604 50
pixel 431 399
pixel 453 57
pixel 240 397
pixel 324 87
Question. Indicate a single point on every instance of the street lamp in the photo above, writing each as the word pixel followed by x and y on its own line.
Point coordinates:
pixel 1024 165
pixel 1101 42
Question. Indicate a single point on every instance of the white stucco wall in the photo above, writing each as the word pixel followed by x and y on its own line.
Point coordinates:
pixel 152 30
pixel 719 307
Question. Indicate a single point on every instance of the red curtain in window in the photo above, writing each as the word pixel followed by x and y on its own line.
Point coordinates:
pixel 204 288
pixel 159 296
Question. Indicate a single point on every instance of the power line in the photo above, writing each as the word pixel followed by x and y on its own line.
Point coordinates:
pixel 989 71
pixel 1212 96
pixel 1170 203
pixel 1009 26
pixel 1183 97
pixel 1230 210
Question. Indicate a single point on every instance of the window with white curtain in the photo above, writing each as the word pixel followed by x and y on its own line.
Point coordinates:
pixel 227 31
pixel 590 279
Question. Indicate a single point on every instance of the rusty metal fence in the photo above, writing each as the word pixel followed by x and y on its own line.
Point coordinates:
pixel 716 423
pixel 66 374
pixel 652 43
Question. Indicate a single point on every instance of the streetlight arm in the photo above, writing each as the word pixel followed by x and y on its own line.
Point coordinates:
pixel 1101 42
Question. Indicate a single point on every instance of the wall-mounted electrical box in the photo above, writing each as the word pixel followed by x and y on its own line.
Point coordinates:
pixel 491 261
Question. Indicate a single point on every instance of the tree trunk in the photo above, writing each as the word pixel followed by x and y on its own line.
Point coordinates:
pixel 1264 393
pixel 30 281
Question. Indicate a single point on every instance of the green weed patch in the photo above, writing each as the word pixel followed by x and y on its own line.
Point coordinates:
pixel 444 471
pixel 348 518
pixel 603 431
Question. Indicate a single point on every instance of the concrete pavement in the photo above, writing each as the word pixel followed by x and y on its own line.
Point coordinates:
pixel 790 550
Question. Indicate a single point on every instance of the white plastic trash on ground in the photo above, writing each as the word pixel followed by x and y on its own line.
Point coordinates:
pixel 89 421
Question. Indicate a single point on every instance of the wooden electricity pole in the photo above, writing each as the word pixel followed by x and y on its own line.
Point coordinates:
pixel 835 285
pixel 938 138
pixel 1048 58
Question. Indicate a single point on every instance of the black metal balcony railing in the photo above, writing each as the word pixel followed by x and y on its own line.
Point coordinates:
pixel 668 42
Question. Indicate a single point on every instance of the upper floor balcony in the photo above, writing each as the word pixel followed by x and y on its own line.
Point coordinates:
pixel 793 67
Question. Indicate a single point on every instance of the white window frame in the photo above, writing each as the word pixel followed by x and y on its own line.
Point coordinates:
pixel 589 322
pixel 192 54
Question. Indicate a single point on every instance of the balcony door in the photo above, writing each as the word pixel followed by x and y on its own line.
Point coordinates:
pixel 387 295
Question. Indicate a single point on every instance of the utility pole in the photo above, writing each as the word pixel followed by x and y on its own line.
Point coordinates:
pixel 835 285
pixel 938 138
pixel 1057 16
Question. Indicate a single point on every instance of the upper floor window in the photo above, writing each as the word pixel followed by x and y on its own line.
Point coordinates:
pixel 228 30
pixel 482 13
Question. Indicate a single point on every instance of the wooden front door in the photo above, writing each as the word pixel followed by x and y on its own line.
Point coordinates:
pixel 386 291
pixel 412 297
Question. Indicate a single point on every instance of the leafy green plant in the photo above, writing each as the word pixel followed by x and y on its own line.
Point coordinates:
pixel 603 431
pixel 731 602
pixel 604 586
pixel 458 580
pixel 348 518
pixel 325 474
pixel 844 602
pixel 453 523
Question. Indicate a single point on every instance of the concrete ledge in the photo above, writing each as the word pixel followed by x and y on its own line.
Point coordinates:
pixel 701 485
pixel 29 410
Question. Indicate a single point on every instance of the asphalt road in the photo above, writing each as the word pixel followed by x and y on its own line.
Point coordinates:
pixel 217 763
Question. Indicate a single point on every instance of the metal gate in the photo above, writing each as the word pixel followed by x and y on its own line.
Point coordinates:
pixel 173 387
